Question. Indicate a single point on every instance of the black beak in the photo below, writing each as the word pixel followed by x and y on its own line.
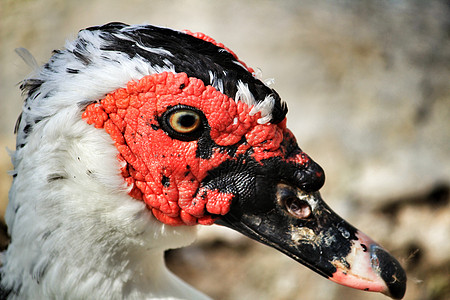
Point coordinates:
pixel 302 226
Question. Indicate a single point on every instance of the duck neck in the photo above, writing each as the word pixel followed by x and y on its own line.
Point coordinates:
pixel 55 260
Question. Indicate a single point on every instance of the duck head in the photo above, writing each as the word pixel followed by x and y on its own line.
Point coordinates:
pixel 201 139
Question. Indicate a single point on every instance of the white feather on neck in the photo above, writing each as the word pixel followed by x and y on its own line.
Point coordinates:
pixel 83 237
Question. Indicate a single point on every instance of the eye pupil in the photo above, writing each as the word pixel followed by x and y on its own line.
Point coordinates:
pixel 186 120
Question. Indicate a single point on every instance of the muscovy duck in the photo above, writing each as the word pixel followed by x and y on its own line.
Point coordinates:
pixel 133 134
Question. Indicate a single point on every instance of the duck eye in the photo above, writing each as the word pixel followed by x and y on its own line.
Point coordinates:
pixel 184 121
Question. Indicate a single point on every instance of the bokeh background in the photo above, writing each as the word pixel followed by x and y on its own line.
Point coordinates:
pixel 368 89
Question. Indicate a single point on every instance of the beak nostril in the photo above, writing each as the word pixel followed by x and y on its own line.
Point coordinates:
pixel 289 199
pixel 298 208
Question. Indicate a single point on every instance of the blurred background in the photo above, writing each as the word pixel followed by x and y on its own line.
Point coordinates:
pixel 368 89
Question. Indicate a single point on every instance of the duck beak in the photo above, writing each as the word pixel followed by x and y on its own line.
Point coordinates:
pixel 371 268
pixel 303 227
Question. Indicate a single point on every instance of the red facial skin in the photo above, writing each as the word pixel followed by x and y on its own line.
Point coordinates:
pixel 166 173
